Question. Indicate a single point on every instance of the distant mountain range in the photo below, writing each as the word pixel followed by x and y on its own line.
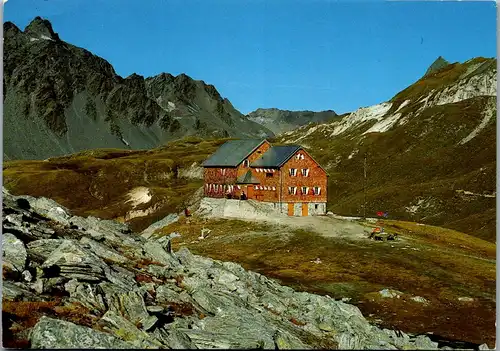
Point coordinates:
pixel 430 151
pixel 60 99
pixel 279 121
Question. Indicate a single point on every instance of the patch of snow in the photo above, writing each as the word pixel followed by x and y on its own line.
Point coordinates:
pixel 488 113
pixel 34 39
pixel 384 125
pixel 484 84
pixel 125 142
pixel 139 195
pixel 404 120
pixel 354 152
pixel 44 37
pixel 359 116
pixel 465 299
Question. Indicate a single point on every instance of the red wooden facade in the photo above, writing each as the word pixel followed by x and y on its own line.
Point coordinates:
pixel 298 180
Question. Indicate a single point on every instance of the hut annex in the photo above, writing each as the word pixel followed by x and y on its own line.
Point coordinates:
pixel 286 176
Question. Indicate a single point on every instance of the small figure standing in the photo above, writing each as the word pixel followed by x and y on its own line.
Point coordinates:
pixel 186 212
pixel 243 195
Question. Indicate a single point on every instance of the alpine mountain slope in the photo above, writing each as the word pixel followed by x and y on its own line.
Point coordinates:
pixel 430 151
pixel 280 121
pixel 61 99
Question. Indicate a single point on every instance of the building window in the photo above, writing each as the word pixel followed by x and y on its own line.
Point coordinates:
pixel 317 190
pixel 292 190
pixel 246 163
pixel 292 172
pixel 305 172
pixel 269 175
pixel 316 206
pixel 305 190
pixel 299 157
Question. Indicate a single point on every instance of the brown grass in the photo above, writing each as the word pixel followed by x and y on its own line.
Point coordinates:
pixel 23 315
pixel 445 265
pixel 296 322
pixel 98 180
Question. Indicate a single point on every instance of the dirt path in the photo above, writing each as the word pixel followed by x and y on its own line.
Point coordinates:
pixel 257 211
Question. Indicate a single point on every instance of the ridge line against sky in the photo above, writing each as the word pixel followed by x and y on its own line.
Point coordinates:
pixel 294 55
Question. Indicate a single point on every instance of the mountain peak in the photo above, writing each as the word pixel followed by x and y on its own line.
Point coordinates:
pixel 438 64
pixel 41 28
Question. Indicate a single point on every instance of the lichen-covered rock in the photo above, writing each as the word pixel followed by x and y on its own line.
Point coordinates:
pixel 51 333
pixel 72 260
pixel 130 305
pixel 175 339
pixel 40 250
pixel 14 292
pixel 86 294
pixel 14 252
pixel 207 340
pixel 156 252
pixel 185 301
pixel 127 331
pixel 169 219
pixel 286 341
pixel 103 251
pixel 165 294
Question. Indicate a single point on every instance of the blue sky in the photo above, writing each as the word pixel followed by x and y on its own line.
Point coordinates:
pixel 309 54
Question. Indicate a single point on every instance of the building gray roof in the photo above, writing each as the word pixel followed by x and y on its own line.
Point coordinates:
pixel 232 153
pixel 275 156
pixel 247 178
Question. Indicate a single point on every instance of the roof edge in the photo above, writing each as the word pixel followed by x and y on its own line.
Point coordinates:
pixel 255 148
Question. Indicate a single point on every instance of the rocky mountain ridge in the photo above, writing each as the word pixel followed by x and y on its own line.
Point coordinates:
pixel 280 121
pixel 60 99
pixel 93 283
pixel 424 147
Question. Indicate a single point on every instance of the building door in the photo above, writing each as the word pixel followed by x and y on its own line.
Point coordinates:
pixel 305 209
pixel 250 194
pixel 290 208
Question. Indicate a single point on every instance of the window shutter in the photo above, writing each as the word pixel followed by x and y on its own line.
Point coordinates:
pixel 319 191
pixel 307 172
pixel 274 188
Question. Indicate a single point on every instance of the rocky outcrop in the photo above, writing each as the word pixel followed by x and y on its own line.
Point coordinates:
pixel 280 121
pixel 137 293
pixel 61 99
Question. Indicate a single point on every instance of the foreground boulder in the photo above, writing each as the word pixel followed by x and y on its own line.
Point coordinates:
pixel 106 287
pixel 51 333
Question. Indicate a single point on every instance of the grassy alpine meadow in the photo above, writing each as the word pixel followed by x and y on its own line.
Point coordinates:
pixel 97 182
pixel 446 278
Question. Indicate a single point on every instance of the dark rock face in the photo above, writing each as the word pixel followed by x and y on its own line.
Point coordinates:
pixel 280 121
pixel 437 65
pixel 60 98
pixel 121 290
